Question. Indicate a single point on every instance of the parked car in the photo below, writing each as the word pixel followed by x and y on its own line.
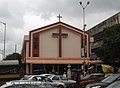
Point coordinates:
pixel 96 77
pixel 46 74
pixel 60 78
pixel 116 84
pixel 105 82
pixel 25 84
pixel 44 79
pixel 91 78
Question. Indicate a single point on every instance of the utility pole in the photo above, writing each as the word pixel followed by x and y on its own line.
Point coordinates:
pixel 4 38
pixel 15 48
pixel 84 25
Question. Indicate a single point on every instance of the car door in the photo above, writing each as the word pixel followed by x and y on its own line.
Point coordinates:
pixel 65 80
pixel 56 78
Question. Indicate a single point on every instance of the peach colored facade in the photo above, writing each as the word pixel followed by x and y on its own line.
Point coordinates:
pixel 55 49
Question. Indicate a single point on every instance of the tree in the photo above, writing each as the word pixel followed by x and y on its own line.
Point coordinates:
pixel 109 52
pixel 14 56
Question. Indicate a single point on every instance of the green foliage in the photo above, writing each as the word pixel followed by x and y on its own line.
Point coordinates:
pixel 14 56
pixel 110 50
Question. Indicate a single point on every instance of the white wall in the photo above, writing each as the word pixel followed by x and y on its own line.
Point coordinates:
pixel 71 46
pixel 49 46
pixel 27 49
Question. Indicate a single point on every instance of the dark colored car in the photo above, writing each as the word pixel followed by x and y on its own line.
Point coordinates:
pixel 91 78
pixel 105 82
pixel 116 84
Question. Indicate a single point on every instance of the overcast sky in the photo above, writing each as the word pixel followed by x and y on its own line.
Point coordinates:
pixel 21 16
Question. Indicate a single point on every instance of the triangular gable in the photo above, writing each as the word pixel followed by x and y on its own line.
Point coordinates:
pixel 35 33
pixel 58 24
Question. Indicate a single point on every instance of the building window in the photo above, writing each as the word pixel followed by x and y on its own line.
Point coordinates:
pixel 35 43
pixel 98 36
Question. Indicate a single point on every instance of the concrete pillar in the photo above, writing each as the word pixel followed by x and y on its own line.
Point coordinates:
pixel 58 68
pixel 27 69
pixel 31 72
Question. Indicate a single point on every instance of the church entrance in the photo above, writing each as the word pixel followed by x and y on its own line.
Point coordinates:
pixel 54 68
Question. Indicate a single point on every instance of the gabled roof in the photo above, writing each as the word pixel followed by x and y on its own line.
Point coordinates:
pixel 55 25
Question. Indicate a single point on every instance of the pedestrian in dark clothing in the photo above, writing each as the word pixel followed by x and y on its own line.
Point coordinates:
pixel 77 81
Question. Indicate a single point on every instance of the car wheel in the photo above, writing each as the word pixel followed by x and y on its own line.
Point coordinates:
pixel 60 86
pixel 72 85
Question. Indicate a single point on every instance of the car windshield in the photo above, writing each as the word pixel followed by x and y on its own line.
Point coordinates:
pixel 47 80
pixel 26 78
pixel 111 78
pixel 86 77
pixel 63 78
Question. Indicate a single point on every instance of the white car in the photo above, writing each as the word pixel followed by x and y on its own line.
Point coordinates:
pixel 61 78
pixel 46 75
pixel 44 79
pixel 25 84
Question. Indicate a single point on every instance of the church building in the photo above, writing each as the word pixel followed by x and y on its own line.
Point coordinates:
pixel 54 48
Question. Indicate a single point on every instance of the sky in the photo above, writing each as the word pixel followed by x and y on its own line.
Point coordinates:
pixel 21 16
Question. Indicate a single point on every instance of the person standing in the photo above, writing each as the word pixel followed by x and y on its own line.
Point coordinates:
pixel 64 74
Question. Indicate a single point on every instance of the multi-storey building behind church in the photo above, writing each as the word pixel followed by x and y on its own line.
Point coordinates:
pixel 96 31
